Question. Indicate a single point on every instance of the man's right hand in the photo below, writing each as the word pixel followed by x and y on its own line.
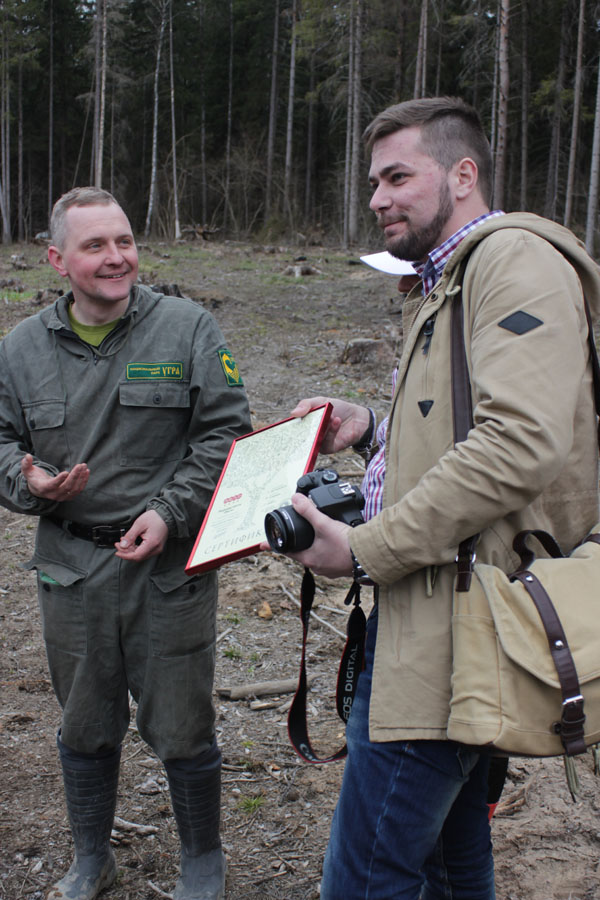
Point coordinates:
pixel 61 487
pixel 347 425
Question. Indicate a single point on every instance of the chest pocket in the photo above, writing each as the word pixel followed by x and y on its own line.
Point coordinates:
pixel 45 420
pixel 153 422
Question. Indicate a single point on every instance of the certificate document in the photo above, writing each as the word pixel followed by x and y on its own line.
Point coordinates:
pixel 259 475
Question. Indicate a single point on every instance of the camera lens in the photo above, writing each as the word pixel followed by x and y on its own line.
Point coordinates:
pixel 288 532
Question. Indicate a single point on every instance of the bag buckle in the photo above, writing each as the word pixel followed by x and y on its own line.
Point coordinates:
pixel 578 698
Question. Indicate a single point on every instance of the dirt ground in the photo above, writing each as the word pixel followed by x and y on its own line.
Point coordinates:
pixel 291 334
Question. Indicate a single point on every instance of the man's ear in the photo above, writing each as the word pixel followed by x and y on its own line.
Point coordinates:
pixel 466 175
pixel 55 259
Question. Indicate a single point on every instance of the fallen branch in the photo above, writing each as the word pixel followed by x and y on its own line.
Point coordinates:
pixel 313 614
pixel 123 825
pixel 158 890
pixel 261 688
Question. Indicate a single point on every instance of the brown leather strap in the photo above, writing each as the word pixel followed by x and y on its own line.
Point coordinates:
pixel 462 415
pixel 570 727
pixel 527 556
pixel 594 361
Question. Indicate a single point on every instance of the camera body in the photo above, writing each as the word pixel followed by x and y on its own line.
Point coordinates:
pixel 289 532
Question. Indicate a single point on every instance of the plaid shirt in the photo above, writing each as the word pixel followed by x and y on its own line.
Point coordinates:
pixel 430 272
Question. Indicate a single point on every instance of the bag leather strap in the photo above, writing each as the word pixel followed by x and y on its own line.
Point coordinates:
pixel 462 417
pixel 462 413
pixel 570 726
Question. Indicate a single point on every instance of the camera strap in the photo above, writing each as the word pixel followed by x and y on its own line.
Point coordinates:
pixel 350 668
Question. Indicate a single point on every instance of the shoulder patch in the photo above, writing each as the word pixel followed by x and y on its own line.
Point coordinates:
pixel 155 371
pixel 520 322
pixel 232 373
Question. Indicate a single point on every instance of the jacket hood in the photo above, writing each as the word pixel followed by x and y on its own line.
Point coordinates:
pixel 560 237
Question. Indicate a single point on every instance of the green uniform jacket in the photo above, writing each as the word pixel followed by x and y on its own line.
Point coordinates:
pixel 152 411
pixel 531 460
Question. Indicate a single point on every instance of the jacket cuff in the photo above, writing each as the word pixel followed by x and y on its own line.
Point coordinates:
pixel 368 544
pixel 31 503
pixel 165 513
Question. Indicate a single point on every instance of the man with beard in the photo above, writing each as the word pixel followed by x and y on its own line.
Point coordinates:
pixel 412 818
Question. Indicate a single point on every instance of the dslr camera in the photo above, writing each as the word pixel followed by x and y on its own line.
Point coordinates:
pixel 289 532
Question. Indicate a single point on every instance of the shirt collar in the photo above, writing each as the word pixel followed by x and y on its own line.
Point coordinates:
pixel 431 270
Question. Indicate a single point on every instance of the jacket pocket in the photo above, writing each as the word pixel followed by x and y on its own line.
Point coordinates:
pixel 62 605
pixel 153 420
pixel 45 420
pixel 183 612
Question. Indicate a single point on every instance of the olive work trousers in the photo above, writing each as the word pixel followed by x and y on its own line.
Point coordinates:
pixel 112 628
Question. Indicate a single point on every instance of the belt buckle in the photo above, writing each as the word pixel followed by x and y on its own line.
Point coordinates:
pixel 105 536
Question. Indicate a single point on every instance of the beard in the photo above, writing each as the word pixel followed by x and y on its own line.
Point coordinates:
pixel 418 242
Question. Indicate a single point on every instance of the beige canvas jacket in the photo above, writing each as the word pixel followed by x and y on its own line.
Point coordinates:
pixel 531 459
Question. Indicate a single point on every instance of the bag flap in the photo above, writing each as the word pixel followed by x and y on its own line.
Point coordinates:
pixel 573 585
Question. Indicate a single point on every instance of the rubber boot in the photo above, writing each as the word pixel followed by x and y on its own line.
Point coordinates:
pixel 91 782
pixel 195 786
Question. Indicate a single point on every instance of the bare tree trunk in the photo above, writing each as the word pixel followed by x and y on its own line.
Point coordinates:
pixel 503 84
pixel 204 181
pixel 88 106
pixel 112 140
pixel 494 110
pixel 349 114
pixel 229 119
pixel 173 132
pixel 96 83
pixel 553 157
pixel 101 91
pixel 477 62
pixel 287 180
pixel 440 49
pixel 20 198
pixel 592 209
pixel 154 163
pixel 310 141
pixel 400 65
pixel 421 64
pixel 51 113
pixel 5 135
pixel 575 120
pixel 272 115
pixel 525 79
pixel 356 129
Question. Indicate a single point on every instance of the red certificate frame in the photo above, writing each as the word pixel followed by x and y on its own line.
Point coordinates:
pixel 259 475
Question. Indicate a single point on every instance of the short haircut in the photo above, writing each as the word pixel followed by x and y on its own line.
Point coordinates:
pixel 79 196
pixel 450 130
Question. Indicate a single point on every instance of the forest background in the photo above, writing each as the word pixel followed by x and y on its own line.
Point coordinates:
pixel 245 116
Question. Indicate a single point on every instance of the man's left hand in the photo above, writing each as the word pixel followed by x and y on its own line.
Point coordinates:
pixel 329 554
pixel 146 537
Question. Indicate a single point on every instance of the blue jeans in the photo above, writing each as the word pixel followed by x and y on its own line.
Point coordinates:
pixel 412 818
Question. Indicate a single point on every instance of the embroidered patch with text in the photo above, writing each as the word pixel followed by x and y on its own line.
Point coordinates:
pixel 232 373
pixel 155 371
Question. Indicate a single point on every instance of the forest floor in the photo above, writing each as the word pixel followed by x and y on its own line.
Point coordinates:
pixel 290 334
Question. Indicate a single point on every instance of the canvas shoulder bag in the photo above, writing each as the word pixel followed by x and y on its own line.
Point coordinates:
pixel 526 646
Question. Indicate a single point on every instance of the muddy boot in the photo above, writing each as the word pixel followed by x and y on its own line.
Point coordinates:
pixel 91 792
pixel 195 786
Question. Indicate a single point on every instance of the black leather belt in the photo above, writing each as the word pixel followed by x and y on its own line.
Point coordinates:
pixel 101 535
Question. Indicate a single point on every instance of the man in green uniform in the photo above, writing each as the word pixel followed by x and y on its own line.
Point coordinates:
pixel 118 406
